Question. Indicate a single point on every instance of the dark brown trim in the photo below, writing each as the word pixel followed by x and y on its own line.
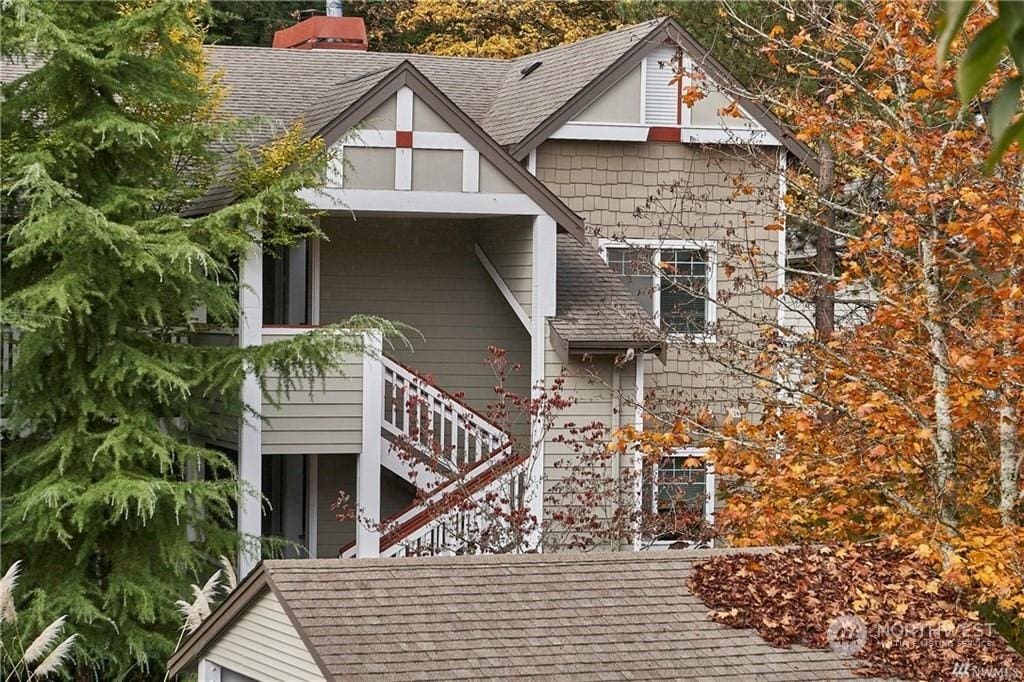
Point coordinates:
pixel 378 94
pixel 613 347
pixel 303 635
pixel 408 75
pixel 237 602
pixel 667 29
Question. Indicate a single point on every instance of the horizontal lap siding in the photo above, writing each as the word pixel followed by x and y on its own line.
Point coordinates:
pixel 509 245
pixel 322 417
pixel 606 182
pixel 337 473
pixel 263 644
pixel 425 273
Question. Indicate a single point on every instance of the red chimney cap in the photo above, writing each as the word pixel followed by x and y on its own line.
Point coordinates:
pixel 324 33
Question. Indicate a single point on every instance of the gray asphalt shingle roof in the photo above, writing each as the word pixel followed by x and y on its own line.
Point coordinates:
pixel 615 615
pixel 286 84
pixel 521 104
pixel 593 308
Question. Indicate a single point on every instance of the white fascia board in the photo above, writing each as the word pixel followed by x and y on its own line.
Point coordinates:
pixel 729 136
pixel 418 201
pixel 614 132
pixel 633 132
pixel 370 138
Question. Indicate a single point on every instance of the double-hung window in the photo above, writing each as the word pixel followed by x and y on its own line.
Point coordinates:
pixel 673 280
pixel 680 493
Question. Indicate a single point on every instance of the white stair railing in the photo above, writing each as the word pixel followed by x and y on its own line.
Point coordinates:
pixel 434 421
pixel 465 467
pixel 455 517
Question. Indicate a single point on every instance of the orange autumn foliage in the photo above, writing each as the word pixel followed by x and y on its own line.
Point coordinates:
pixel 908 426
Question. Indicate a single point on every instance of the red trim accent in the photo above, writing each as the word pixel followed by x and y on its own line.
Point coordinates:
pixel 403 139
pixel 664 134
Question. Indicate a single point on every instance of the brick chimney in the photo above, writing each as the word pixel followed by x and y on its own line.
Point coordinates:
pixel 331 32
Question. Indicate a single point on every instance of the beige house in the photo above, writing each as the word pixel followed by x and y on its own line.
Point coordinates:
pixel 493 203
pixel 594 616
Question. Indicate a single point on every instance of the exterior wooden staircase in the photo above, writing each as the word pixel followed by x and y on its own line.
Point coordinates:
pixel 466 469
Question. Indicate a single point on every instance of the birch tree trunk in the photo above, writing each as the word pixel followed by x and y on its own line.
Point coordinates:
pixel 825 249
pixel 1009 452
pixel 945 441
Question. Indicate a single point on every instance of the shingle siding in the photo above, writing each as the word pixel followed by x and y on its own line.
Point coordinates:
pixel 607 182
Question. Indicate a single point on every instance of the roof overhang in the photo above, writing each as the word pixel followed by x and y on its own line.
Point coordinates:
pixel 667 29
pixel 407 75
pixel 258 582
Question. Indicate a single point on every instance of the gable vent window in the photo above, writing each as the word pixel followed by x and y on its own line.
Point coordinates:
pixel 673 280
pixel 660 94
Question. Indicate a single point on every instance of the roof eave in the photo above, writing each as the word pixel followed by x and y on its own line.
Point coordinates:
pixel 667 29
pixel 253 586
pixel 408 75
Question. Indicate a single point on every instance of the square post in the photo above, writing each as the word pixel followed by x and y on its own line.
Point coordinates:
pixel 250 432
pixel 544 262
pixel 368 465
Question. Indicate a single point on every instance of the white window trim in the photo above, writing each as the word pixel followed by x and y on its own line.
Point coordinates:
pixel 656 245
pixel 709 490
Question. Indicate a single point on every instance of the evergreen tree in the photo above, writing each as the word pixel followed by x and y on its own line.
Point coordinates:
pixel 106 139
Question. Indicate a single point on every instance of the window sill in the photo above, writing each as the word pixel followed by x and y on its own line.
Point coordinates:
pixel 697 339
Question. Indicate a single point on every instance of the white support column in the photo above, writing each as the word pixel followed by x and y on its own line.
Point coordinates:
pixel 250 433
pixel 638 462
pixel 314 281
pixel 208 671
pixel 542 307
pixel 368 464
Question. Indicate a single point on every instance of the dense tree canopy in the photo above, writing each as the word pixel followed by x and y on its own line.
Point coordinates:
pixel 501 29
pixel 106 139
